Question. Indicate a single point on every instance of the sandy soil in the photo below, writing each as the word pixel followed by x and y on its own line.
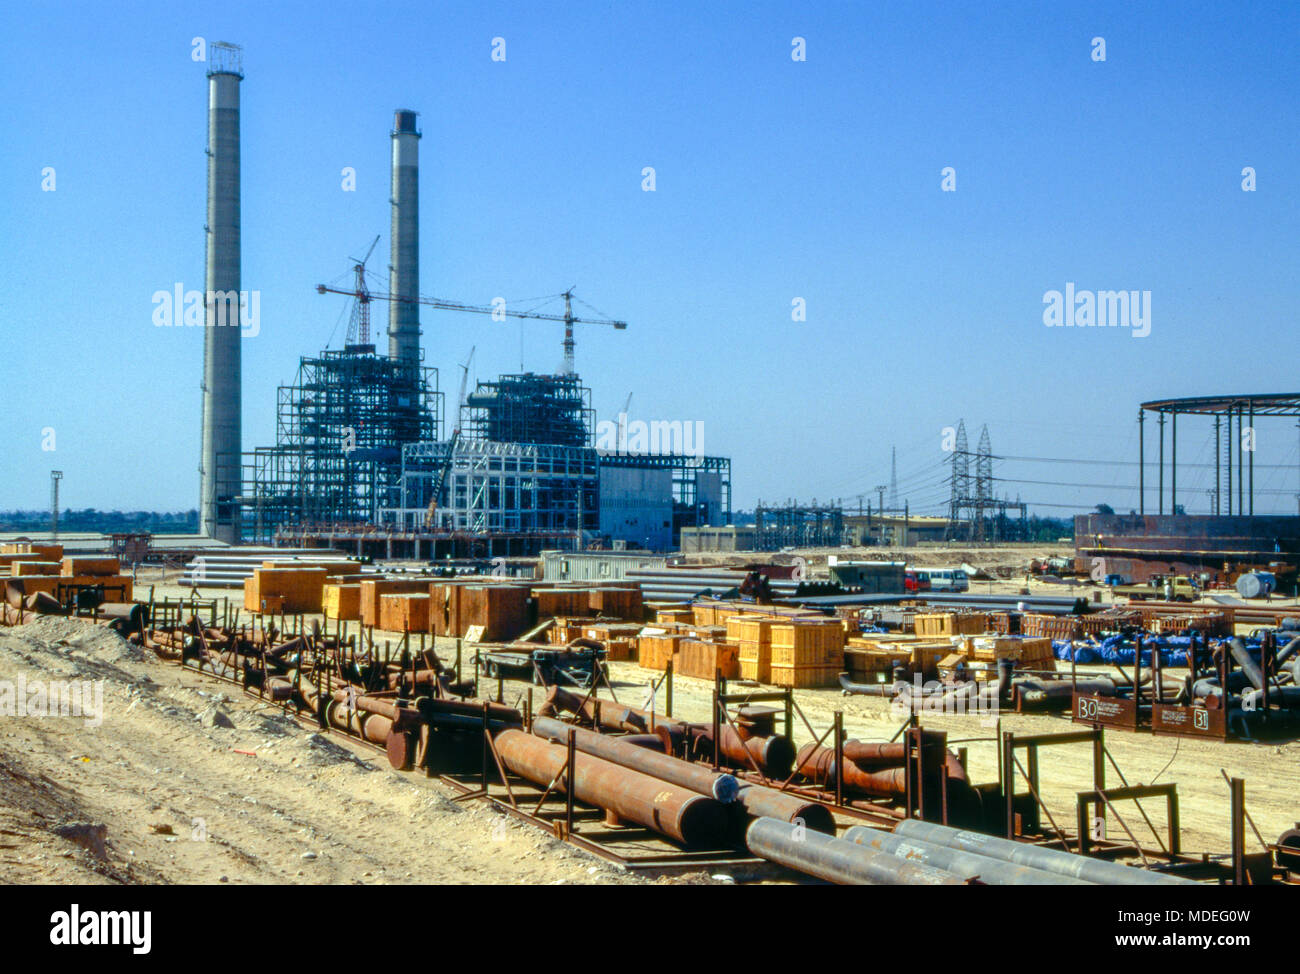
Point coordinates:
pixel 178 802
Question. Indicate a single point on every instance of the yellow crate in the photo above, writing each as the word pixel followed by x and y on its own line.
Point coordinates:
pixel 342 602
pixel 654 652
pixel 750 628
pixel 807 642
pixel 805 676
pixel 755 660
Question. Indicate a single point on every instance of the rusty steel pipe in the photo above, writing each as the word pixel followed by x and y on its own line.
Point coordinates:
pixel 613 715
pixel 757 800
pixel 774 756
pixel 836 860
pixel 697 778
pixel 817 764
pixel 690 818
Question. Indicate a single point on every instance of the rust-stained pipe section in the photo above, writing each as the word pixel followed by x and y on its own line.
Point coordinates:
pixel 871 768
pixel 679 813
pixel 697 778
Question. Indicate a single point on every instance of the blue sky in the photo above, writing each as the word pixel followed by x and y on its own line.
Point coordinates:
pixel 775 179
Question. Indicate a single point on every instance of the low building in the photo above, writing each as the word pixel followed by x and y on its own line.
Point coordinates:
pixel 893 530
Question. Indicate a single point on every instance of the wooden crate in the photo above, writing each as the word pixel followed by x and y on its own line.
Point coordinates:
pixel 22 569
pixel 806 676
pixel 950 623
pixel 301 588
pixel 554 602
pixel 654 651
pixel 117 588
pixel 616 602
pixel 709 634
pixel 83 565
pixel 674 615
pixel 341 602
pixel 502 611
pixel 404 612
pixel 373 589
pixel 952 665
pixel 925 657
pixel 807 642
pixel 869 664
pixel 755 660
pixel 750 628
pixel 569 628
pixel 20 588
pixel 701 659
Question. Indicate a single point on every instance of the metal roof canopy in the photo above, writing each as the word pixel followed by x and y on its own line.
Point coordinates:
pixel 1272 404
pixel 1245 409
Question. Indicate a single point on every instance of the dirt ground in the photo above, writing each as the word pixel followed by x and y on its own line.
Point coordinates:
pixel 187 780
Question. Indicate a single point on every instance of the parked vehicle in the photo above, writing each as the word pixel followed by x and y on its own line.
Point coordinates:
pixel 914 581
pixel 948 580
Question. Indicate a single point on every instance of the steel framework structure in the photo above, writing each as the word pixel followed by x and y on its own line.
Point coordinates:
pixel 798 526
pixel 340 429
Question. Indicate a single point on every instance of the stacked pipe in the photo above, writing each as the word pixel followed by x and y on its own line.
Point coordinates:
pixel 837 860
pixel 1066 865
pixel 756 800
pixel 747 749
pixel 687 816
pixel 878 770
pixel 1244 687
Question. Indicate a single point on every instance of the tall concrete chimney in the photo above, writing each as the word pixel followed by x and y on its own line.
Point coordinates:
pixel 404 262
pixel 220 473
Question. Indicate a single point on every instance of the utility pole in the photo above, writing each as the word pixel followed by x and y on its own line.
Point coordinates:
pixel 55 477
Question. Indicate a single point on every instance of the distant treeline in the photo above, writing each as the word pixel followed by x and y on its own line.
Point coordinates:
pixel 108 522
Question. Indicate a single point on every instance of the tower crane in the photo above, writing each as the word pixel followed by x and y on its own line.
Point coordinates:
pixel 440 475
pixel 364 296
pixel 359 325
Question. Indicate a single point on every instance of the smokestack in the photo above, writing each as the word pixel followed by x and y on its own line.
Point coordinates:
pixel 220 472
pixel 404 262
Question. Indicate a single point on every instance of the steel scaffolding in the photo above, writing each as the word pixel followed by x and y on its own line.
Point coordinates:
pixel 340 429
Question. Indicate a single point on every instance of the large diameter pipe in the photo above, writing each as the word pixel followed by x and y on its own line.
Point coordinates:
pixel 757 800
pixel 1248 665
pixel 697 778
pixel 1052 860
pixel 220 477
pixel 679 813
pixel 991 872
pixel 836 860
pixel 404 262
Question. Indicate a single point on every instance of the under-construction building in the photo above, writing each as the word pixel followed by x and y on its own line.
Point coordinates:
pixel 361 459
pixel 340 429
pixel 522 476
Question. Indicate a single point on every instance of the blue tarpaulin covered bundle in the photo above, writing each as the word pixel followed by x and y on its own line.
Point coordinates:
pixel 1119 649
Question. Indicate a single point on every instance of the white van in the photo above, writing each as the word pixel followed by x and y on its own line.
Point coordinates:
pixel 948 580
